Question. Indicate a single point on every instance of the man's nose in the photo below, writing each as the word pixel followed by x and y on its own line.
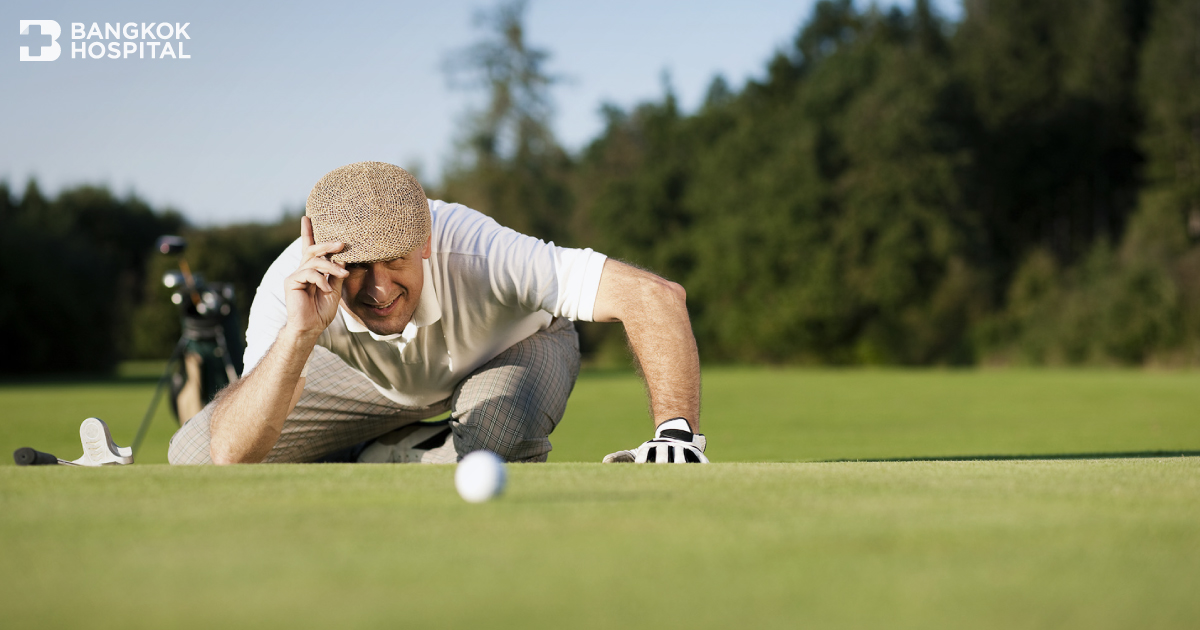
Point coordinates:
pixel 375 283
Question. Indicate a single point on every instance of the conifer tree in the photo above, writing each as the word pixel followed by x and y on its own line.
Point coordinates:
pixel 509 164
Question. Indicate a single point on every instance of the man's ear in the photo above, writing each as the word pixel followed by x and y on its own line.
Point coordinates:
pixel 428 250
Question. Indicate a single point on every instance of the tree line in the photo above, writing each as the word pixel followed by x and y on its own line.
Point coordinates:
pixel 1020 186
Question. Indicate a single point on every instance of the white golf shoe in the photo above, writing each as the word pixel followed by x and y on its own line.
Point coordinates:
pixel 417 443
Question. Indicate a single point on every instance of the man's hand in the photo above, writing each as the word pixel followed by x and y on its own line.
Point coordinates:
pixel 673 443
pixel 248 416
pixel 654 313
pixel 315 288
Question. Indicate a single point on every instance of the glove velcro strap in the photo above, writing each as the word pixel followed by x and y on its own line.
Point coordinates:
pixel 695 439
pixel 674 424
pixel 676 434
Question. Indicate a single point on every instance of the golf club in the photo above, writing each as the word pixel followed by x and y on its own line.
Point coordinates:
pixel 98 449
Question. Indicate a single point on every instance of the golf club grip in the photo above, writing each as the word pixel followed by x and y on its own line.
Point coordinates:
pixel 26 456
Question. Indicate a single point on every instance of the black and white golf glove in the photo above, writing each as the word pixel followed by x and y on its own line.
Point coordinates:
pixel 673 443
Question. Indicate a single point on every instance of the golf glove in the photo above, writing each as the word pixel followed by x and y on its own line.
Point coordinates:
pixel 673 443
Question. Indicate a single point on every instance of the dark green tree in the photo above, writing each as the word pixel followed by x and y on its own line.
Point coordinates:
pixel 1051 85
pixel 816 216
pixel 73 274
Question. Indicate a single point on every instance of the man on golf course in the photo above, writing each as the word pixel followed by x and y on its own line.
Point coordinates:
pixel 392 309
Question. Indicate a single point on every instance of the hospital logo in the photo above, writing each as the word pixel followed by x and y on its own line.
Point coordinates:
pixel 44 53
pixel 115 40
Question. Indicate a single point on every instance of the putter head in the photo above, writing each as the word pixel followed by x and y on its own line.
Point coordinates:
pixel 98 446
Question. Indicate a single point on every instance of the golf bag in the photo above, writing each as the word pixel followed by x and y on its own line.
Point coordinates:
pixel 208 355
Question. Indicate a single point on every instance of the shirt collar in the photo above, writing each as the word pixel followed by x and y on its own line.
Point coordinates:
pixel 428 311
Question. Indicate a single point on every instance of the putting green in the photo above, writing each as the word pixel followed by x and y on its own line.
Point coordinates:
pixel 1083 543
pixel 1097 531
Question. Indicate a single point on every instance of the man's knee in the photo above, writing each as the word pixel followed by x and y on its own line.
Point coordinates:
pixel 511 404
pixel 514 427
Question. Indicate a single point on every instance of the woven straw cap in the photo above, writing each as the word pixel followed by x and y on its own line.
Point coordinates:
pixel 378 210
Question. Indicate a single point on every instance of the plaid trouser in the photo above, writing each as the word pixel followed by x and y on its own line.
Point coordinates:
pixel 508 406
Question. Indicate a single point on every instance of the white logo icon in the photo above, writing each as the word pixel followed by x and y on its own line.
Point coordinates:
pixel 47 53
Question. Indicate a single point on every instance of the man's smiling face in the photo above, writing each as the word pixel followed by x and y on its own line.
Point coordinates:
pixel 385 294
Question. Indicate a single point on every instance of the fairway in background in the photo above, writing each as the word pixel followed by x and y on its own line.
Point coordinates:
pixel 46 416
pixel 759 414
pixel 763 414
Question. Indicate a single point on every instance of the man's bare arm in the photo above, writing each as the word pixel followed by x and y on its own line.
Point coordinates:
pixel 248 417
pixel 654 313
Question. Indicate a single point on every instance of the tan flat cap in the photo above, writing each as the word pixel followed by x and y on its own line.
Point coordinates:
pixel 378 210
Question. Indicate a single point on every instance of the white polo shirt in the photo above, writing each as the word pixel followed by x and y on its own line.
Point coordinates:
pixel 486 288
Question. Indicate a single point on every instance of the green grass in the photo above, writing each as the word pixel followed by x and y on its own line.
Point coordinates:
pixel 1097 532
pixel 756 415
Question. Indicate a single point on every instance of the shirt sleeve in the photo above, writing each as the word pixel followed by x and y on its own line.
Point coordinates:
pixel 268 312
pixel 523 271
pixel 579 272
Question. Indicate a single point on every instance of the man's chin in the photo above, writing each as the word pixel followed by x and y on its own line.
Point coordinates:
pixel 384 327
pixel 392 324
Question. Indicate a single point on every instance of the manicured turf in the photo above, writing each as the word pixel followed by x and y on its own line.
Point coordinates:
pixel 1111 540
pixel 756 415
pixel 759 415
pixel 1089 544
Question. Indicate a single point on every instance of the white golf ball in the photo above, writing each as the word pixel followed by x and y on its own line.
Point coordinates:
pixel 480 476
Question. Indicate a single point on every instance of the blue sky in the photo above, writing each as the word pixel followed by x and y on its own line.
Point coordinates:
pixel 275 94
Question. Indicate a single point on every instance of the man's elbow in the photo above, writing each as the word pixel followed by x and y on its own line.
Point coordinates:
pixel 678 293
pixel 222 455
pixel 664 291
pixel 225 451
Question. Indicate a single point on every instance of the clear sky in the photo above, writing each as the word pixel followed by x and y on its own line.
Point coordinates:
pixel 275 94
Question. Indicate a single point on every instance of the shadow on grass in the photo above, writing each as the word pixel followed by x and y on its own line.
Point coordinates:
pixel 1050 456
